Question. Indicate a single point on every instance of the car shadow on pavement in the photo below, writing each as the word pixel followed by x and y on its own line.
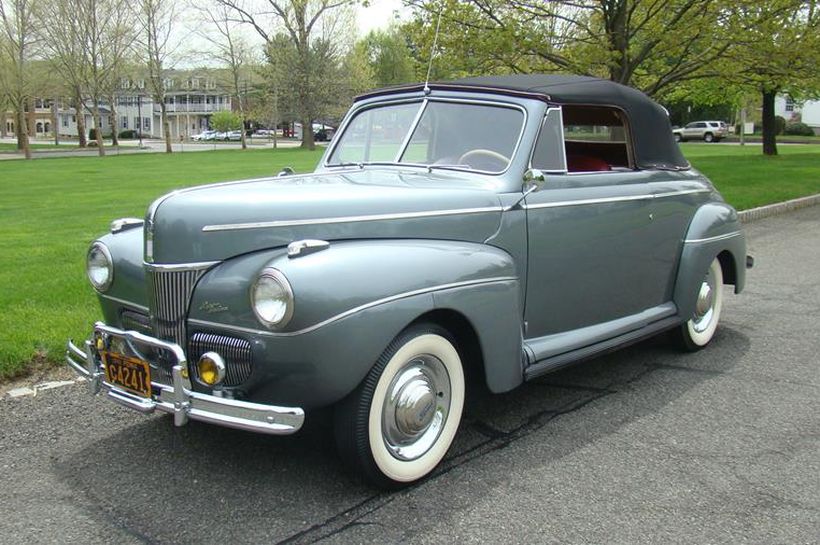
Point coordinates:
pixel 172 484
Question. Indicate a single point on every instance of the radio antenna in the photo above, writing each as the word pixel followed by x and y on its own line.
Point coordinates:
pixel 433 52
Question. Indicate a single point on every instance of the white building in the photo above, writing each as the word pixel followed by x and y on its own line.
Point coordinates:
pixel 808 112
pixel 191 98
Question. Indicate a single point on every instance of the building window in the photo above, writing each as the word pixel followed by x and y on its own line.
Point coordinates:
pixel 136 123
pixel 65 120
pixel 124 121
pixel 789 104
pixel 146 123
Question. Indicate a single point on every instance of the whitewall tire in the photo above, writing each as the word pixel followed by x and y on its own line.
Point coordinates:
pixel 398 424
pixel 696 332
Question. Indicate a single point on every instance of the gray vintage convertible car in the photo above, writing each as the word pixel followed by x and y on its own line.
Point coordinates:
pixel 491 228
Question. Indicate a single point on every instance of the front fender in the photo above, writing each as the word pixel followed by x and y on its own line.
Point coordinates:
pixel 715 231
pixel 351 300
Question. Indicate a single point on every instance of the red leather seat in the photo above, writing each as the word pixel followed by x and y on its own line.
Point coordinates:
pixel 586 163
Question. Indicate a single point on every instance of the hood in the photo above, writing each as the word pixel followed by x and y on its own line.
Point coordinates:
pixel 216 222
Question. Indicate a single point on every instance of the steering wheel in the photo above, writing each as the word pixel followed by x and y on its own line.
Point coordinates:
pixel 483 157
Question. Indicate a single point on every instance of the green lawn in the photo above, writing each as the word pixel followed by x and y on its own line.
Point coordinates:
pixel 6 147
pixel 50 209
pixel 747 179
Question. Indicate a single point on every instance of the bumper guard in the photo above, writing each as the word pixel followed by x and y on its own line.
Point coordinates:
pixel 179 399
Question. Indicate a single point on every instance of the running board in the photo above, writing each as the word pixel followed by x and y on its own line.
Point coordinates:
pixel 554 363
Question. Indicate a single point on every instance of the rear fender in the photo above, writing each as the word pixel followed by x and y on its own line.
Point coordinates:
pixel 714 232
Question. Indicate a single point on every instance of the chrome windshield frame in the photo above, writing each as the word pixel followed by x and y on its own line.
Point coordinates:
pixel 412 129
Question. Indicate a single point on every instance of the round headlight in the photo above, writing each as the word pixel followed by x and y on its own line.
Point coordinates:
pixel 272 298
pixel 99 266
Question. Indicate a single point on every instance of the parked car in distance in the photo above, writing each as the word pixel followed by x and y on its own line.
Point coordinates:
pixel 205 135
pixel 708 131
pixel 486 230
pixel 233 135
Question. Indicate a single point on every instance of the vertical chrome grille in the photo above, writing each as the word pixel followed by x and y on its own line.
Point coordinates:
pixel 169 293
pixel 235 352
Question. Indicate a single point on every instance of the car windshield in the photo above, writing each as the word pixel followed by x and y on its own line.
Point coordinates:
pixel 437 134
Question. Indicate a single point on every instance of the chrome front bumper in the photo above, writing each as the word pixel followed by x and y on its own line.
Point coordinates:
pixel 179 399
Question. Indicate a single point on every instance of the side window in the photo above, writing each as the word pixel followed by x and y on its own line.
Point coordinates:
pixel 548 154
pixel 596 139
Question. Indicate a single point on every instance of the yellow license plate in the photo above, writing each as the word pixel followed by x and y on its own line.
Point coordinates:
pixel 128 373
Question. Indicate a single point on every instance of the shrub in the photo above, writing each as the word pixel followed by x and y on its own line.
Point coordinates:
pixel 779 124
pixel 128 134
pixel 798 129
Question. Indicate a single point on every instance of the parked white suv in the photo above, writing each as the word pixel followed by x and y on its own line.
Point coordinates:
pixel 708 131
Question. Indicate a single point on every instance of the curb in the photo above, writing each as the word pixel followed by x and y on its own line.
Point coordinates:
pixel 761 212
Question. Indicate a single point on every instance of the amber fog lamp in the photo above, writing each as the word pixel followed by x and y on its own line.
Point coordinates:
pixel 211 369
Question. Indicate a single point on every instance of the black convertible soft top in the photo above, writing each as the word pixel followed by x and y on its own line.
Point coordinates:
pixel 652 139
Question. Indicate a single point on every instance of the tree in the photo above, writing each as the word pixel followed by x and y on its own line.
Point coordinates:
pixel 156 19
pixel 106 26
pixel 224 121
pixel 648 44
pixel 389 57
pixel 779 51
pixel 17 43
pixel 232 51
pixel 312 36
pixel 62 31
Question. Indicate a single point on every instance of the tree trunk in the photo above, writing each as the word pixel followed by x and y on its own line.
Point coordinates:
pixel 31 118
pixel 2 122
pixel 166 126
pixel 769 125
pixel 98 127
pixel 78 106
pixel 307 135
pixel 112 120
pixel 22 131
pixel 55 127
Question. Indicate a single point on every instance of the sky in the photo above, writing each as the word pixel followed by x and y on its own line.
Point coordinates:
pixel 378 15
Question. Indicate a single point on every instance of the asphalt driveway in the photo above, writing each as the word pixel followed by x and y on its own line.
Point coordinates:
pixel 646 445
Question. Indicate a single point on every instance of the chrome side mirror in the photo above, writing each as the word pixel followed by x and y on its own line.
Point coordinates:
pixel 287 171
pixel 533 180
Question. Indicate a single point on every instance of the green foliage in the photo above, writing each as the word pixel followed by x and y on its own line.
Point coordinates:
pixel 780 124
pixel 649 45
pixel 128 134
pixel 798 129
pixel 389 57
pixel 224 121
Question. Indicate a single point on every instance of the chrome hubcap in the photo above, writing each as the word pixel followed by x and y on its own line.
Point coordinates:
pixel 416 407
pixel 705 305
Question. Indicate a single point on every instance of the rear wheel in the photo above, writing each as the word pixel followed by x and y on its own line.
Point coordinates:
pixel 398 424
pixel 699 330
pixel 678 137
pixel 709 137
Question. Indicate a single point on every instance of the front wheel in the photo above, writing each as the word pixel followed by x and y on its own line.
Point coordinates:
pixel 399 423
pixel 696 332
pixel 709 137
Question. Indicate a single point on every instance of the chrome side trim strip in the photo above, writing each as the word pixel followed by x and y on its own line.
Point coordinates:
pixel 605 200
pixel 348 219
pixel 352 311
pixel 682 192
pixel 712 239
pixel 125 303
pixel 578 202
